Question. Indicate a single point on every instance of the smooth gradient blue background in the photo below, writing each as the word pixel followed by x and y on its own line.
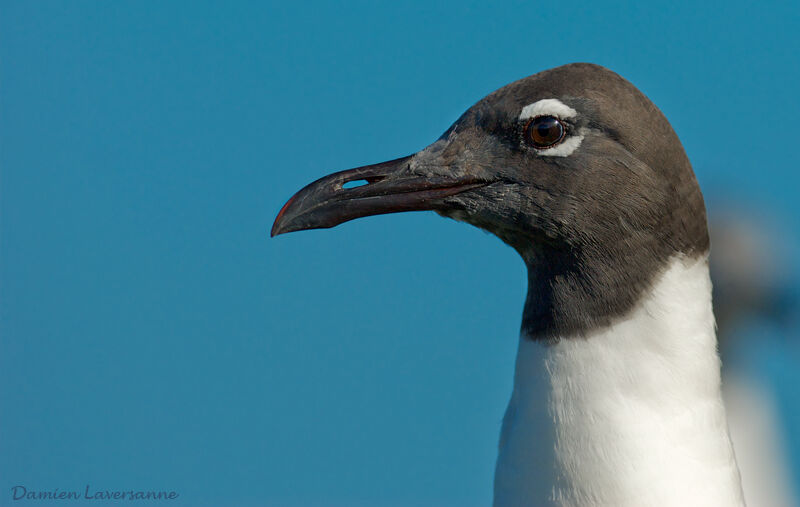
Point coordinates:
pixel 154 337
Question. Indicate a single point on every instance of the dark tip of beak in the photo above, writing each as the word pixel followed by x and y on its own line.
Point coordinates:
pixel 276 229
pixel 389 188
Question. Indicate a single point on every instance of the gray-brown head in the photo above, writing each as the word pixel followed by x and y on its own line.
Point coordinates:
pixel 573 167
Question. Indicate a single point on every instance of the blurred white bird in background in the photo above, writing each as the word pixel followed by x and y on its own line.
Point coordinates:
pixel 755 302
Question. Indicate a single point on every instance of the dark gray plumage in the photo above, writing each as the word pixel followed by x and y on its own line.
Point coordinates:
pixel 594 228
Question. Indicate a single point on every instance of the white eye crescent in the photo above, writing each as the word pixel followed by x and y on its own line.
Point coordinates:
pixel 556 109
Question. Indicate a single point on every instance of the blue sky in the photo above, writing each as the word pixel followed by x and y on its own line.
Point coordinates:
pixel 153 336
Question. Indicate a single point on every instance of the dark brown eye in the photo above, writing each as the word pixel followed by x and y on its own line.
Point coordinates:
pixel 544 131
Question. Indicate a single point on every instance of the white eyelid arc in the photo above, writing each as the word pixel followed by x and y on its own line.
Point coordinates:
pixel 564 148
pixel 547 107
pixel 554 107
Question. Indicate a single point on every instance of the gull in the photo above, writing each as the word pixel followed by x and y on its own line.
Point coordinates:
pixel 616 398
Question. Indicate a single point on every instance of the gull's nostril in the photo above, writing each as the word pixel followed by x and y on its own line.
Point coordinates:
pixel 363 181
pixel 355 183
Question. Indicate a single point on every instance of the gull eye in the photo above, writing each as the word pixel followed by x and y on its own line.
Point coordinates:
pixel 544 131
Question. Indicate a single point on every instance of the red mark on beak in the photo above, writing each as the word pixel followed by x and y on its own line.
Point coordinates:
pixel 280 214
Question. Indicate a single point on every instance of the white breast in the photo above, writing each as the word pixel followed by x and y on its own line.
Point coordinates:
pixel 633 412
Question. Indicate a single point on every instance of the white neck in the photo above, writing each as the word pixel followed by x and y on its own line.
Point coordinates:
pixel 630 415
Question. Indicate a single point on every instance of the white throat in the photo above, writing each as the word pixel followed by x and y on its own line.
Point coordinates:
pixel 634 410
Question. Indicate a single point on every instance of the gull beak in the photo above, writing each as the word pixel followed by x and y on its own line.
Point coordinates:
pixel 389 187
